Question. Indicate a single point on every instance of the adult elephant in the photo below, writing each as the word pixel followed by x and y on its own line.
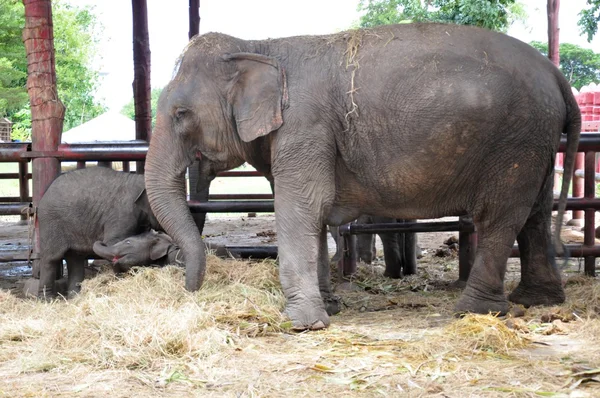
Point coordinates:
pixel 408 121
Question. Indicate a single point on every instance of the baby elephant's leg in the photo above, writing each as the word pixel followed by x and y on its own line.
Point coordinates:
pixel 75 272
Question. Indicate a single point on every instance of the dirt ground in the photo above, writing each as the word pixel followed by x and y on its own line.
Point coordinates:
pixel 370 349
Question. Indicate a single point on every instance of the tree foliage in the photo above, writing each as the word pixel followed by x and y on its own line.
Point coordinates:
pixel 581 66
pixel 75 32
pixel 589 19
pixel 491 14
pixel 129 109
pixel 13 62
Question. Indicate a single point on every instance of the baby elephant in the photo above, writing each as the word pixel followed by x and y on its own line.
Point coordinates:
pixel 148 248
pixel 82 207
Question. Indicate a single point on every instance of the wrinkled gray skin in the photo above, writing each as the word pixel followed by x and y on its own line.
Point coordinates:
pixel 408 121
pixel 208 170
pixel 148 248
pixel 399 249
pixel 84 206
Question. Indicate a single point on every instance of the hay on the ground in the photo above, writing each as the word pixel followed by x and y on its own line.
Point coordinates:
pixel 145 335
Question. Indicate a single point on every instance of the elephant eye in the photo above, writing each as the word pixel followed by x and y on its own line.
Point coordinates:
pixel 180 113
pixel 128 242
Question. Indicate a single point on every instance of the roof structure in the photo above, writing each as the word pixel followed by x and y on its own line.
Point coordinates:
pixel 110 126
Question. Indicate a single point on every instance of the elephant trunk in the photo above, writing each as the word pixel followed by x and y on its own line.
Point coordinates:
pixel 104 251
pixel 166 164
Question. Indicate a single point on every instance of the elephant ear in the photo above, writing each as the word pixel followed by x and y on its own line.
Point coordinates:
pixel 160 247
pixel 142 199
pixel 258 94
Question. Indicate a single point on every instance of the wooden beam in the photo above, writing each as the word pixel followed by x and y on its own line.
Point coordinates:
pixel 194 18
pixel 553 31
pixel 141 71
pixel 47 111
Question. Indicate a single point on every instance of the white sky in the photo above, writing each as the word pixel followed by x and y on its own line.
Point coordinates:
pixel 255 19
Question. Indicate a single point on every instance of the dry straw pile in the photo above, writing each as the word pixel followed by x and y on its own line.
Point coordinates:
pixel 144 335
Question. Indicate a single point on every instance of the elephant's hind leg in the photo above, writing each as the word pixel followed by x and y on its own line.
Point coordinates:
pixel 331 301
pixel 392 255
pixel 540 278
pixel 409 252
pixel 365 246
pixel 485 288
pixel 76 272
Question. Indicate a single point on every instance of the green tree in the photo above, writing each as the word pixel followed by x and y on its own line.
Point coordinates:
pixel 589 19
pixel 581 66
pixel 75 32
pixel 129 109
pixel 13 62
pixel 75 43
pixel 491 14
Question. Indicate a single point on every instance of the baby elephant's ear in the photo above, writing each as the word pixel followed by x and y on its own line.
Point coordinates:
pixel 257 94
pixel 160 247
pixel 141 197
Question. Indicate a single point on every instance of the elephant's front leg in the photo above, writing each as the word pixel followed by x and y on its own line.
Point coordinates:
pixel 48 270
pixel 299 254
pixel 301 233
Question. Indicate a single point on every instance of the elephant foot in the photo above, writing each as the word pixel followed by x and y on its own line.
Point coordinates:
pixel 31 287
pixel 333 305
pixel 46 295
pixel 473 302
pixel 457 285
pixel 393 274
pixel 542 294
pixel 307 317
pixel 367 260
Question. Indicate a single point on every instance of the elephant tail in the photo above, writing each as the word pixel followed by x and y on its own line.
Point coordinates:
pixel 572 129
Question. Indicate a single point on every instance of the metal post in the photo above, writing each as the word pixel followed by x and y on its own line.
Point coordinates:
pixel 23 186
pixel 81 164
pixel 47 111
pixel 558 163
pixel 348 260
pixel 126 167
pixel 578 189
pixel 590 214
pixel 347 264
pixel 141 80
